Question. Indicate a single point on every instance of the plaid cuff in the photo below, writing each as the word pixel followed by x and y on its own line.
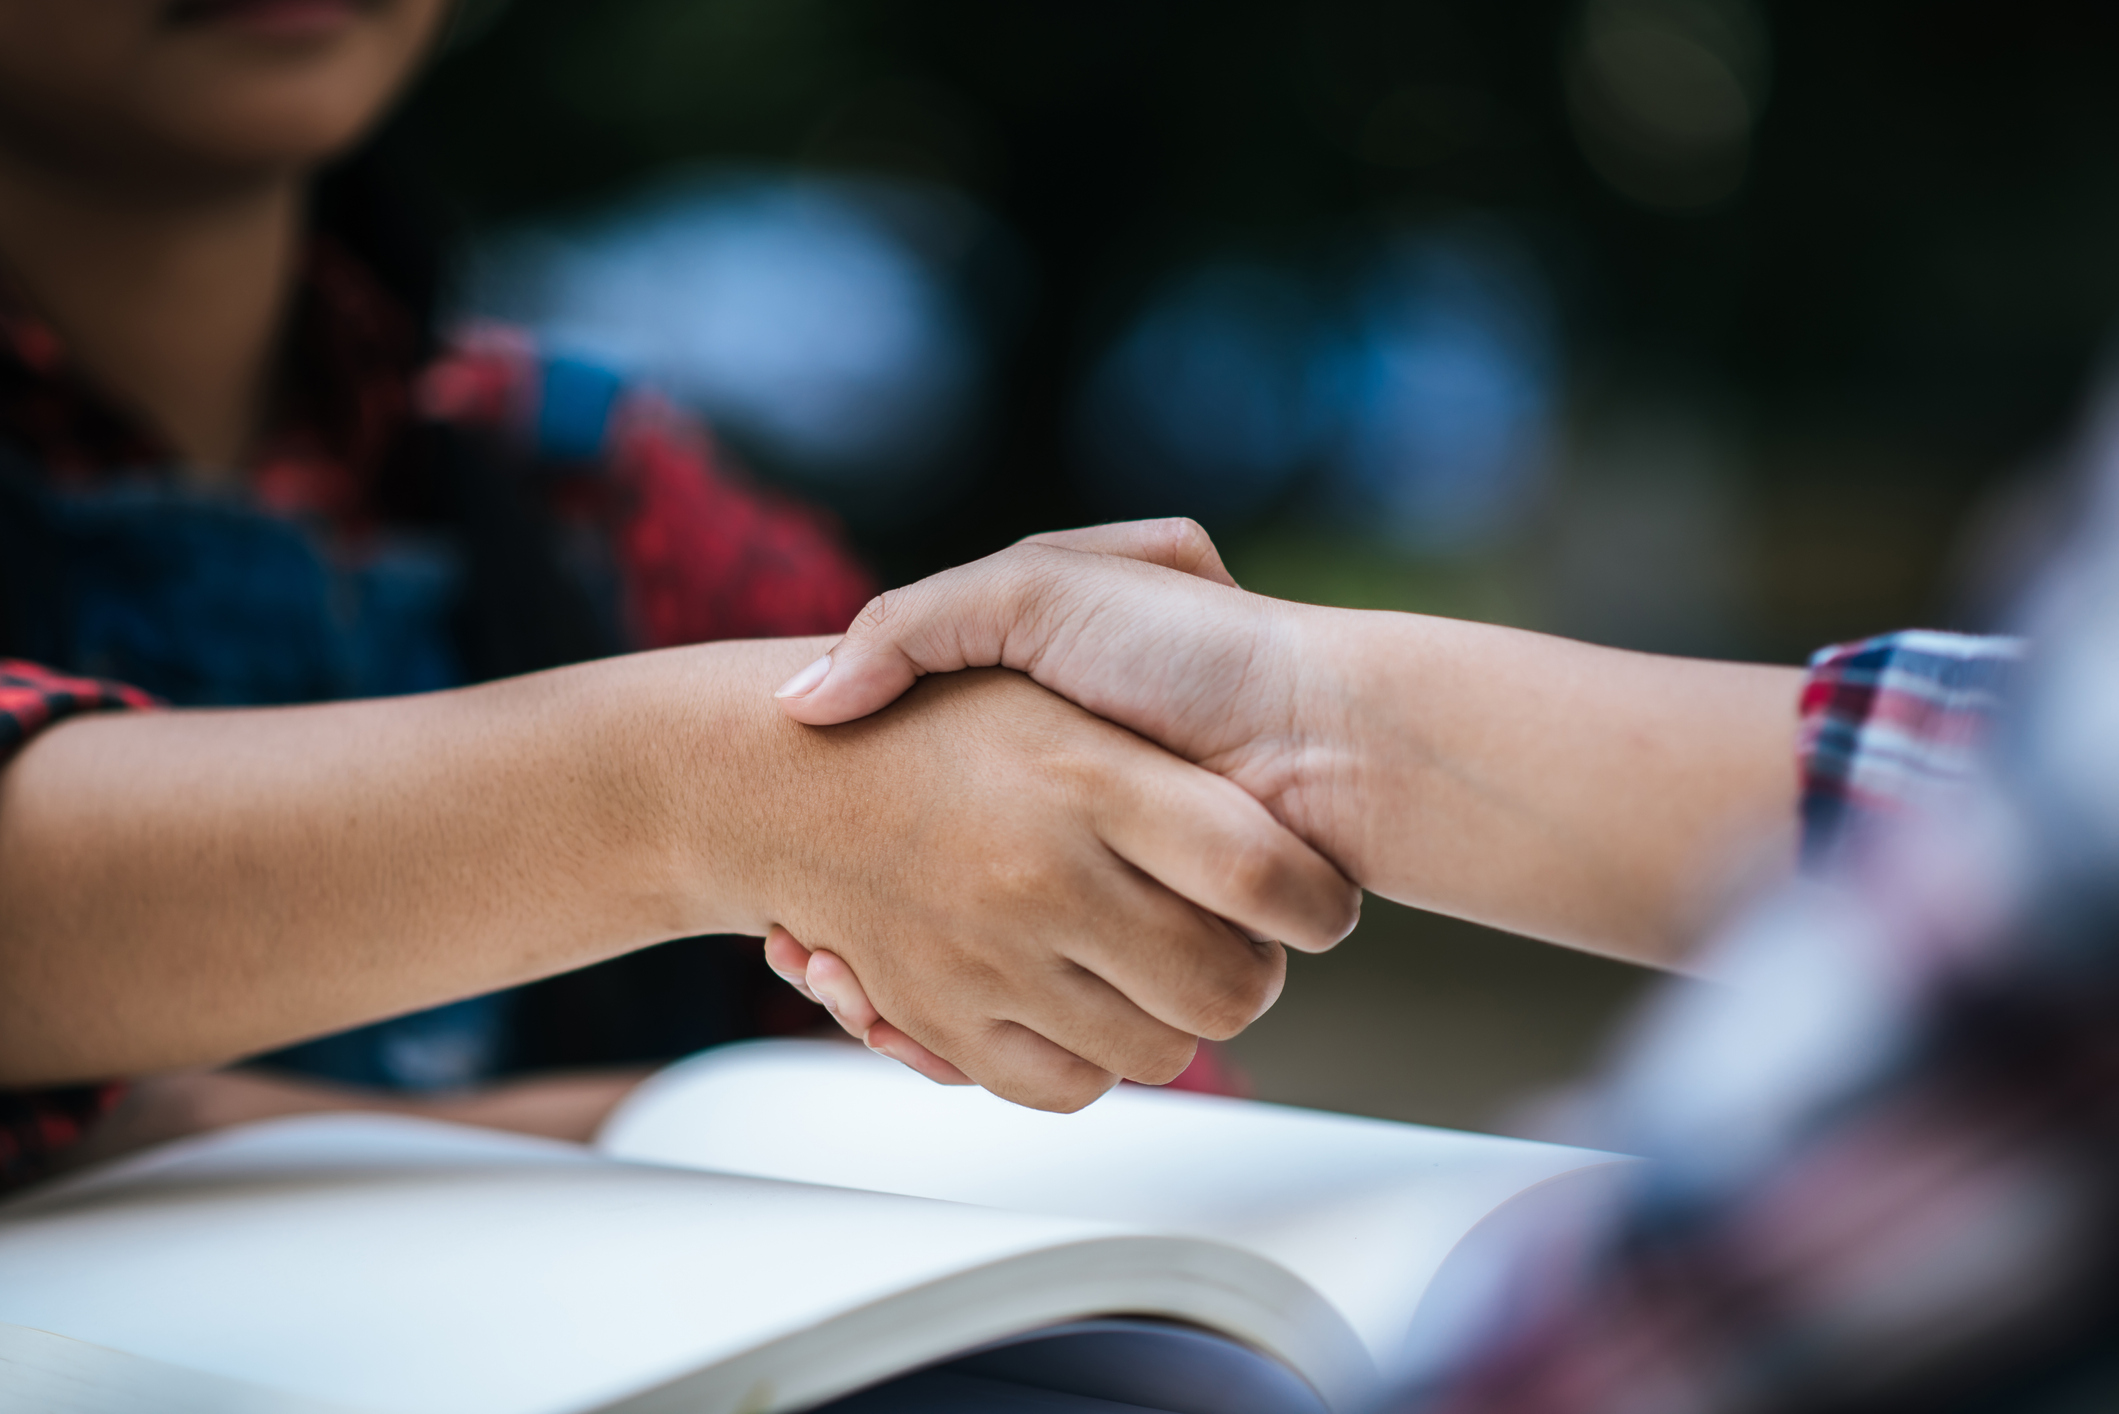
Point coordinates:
pixel 32 698
pixel 1888 719
pixel 36 1124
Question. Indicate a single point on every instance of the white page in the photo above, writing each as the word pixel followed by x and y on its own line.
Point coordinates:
pixel 52 1374
pixel 1363 1210
pixel 397 1265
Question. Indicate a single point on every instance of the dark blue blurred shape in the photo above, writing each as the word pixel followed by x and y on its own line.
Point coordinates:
pixel 574 407
pixel 209 603
pixel 1414 389
pixel 1451 390
pixel 1214 400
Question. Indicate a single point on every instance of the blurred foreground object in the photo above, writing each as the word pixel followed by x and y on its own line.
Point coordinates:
pixel 1885 1144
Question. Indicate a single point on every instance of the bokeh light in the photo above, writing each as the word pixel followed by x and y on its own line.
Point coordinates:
pixel 1665 95
pixel 1405 393
pixel 815 320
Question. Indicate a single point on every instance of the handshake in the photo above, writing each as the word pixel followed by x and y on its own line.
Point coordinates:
pixel 1160 859
pixel 1038 823
pixel 1128 884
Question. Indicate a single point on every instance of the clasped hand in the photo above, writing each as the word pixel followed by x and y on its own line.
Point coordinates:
pixel 1125 641
pixel 1109 903
pixel 1601 799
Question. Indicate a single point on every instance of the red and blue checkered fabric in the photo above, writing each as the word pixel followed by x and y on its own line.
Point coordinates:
pixel 36 1124
pixel 32 698
pixel 1889 719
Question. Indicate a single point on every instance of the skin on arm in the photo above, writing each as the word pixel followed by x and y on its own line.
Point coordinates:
pixel 181 888
pixel 1589 796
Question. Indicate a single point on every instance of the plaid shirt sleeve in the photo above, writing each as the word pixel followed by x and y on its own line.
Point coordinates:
pixel 707 556
pixel 703 553
pixel 35 1124
pixel 32 698
pixel 1887 720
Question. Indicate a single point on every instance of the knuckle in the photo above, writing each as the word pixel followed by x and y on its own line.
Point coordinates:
pixel 1256 872
pixel 1244 989
pixel 1187 540
pixel 1165 1061
pixel 873 616
pixel 1079 1088
pixel 1060 1084
pixel 1324 914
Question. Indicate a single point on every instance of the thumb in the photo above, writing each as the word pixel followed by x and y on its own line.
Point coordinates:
pixel 945 622
pixel 994 612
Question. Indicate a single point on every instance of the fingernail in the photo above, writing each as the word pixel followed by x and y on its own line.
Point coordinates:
pixel 885 1050
pixel 805 682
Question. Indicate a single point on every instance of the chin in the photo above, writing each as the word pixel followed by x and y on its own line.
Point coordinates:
pixel 269 131
pixel 207 88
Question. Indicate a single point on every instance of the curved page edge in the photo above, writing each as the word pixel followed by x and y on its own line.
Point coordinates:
pixel 1207 1284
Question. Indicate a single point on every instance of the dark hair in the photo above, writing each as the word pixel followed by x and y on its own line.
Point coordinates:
pixel 522 610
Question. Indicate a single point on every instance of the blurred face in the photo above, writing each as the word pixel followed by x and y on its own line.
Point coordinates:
pixel 183 91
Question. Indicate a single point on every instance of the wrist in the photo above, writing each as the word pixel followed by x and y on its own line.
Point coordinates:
pixel 1372 697
pixel 690 781
pixel 1320 789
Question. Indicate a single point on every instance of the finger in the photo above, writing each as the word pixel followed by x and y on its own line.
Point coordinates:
pixel 885 1039
pixel 1194 974
pixel 1018 1064
pixel 788 959
pixel 851 1008
pixel 1079 1016
pixel 956 619
pixel 841 993
pixel 1177 542
pixel 1086 1016
pixel 1208 840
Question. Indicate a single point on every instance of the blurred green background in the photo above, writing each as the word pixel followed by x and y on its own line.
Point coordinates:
pixel 1698 325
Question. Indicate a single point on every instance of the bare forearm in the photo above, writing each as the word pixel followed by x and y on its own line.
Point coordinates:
pixel 179 888
pixel 1586 795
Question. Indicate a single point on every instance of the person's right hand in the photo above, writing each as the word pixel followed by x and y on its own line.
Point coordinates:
pixel 1010 878
pixel 1010 874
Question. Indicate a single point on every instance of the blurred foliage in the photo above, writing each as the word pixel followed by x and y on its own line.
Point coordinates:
pixel 1314 567
pixel 1919 263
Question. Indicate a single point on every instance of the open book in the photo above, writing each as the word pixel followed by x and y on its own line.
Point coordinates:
pixel 769 1226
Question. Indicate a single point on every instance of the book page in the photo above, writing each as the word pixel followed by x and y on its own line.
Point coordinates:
pixel 1363 1210
pixel 388 1264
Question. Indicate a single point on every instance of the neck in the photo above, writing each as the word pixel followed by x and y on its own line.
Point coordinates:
pixel 171 303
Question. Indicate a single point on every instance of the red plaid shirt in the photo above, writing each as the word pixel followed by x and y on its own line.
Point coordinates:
pixel 699 552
